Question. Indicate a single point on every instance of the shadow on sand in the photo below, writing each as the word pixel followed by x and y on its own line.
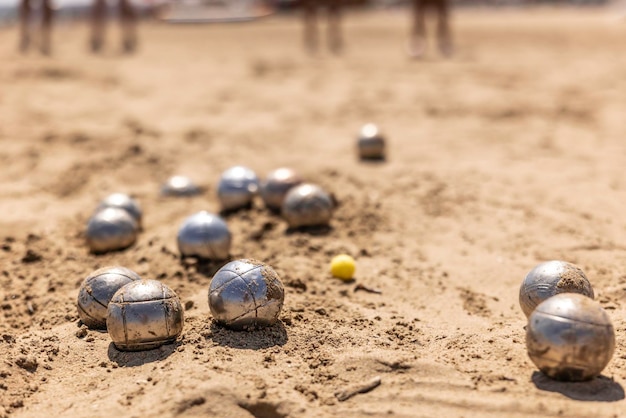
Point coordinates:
pixel 599 389
pixel 251 340
pixel 138 358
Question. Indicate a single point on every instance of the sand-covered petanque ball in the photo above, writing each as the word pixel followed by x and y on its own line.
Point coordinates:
pixel 570 337
pixel 111 229
pixel 204 235
pixel 275 187
pixel 96 292
pixel 549 279
pixel 371 143
pixel 307 205
pixel 122 201
pixel 144 314
pixel 237 187
pixel 179 186
pixel 246 295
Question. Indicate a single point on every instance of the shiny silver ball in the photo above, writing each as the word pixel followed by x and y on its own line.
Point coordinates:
pixel 307 205
pixel 551 278
pixel 237 187
pixel 111 229
pixel 371 143
pixel 122 201
pixel 179 186
pixel 144 314
pixel 570 337
pixel 204 235
pixel 96 292
pixel 276 185
pixel 245 295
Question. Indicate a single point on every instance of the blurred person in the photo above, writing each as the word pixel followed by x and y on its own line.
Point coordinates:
pixel 417 42
pixel 25 12
pixel 128 22
pixel 333 11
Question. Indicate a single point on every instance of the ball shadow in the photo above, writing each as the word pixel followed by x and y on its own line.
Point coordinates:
pixel 318 230
pixel 138 358
pixel 599 389
pixel 204 266
pixel 373 160
pixel 251 340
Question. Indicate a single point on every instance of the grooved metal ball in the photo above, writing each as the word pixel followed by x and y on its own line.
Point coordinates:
pixel 276 185
pixel 237 187
pixel 570 337
pixel 144 314
pixel 245 295
pixel 371 143
pixel 122 201
pixel 551 278
pixel 96 292
pixel 111 229
pixel 307 205
pixel 204 235
pixel 179 186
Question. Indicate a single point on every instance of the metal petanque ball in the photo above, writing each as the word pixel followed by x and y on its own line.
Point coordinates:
pixel 276 185
pixel 144 314
pixel 246 295
pixel 204 235
pixel 96 292
pixel 570 337
pixel 122 201
pixel 551 278
pixel 307 205
pixel 237 187
pixel 371 143
pixel 111 229
pixel 179 186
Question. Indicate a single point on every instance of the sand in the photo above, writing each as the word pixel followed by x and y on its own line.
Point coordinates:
pixel 507 155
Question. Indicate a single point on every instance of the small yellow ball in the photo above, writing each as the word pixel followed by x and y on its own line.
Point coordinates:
pixel 343 266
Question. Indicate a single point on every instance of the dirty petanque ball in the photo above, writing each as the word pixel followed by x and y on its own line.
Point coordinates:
pixel 551 278
pixel 276 185
pixel 144 314
pixel 178 186
pixel 204 235
pixel 96 292
pixel 371 143
pixel 246 295
pixel 122 201
pixel 570 337
pixel 237 187
pixel 111 229
pixel 307 205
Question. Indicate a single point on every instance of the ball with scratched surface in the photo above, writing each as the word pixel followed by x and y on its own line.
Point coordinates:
pixel 204 235
pixel 551 278
pixel 111 229
pixel 570 337
pixel 343 266
pixel 245 295
pixel 144 314
pixel 96 292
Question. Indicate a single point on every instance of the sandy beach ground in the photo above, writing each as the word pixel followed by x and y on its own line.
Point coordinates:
pixel 509 154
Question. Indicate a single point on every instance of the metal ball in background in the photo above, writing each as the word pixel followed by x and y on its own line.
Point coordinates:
pixel 237 187
pixel 246 295
pixel 144 314
pixel 551 278
pixel 275 187
pixel 96 292
pixel 307 205
pixel 204 235
pixel 180 186
pixel 122 201
pixel 570 337
pixel 371 143
pixel 111 229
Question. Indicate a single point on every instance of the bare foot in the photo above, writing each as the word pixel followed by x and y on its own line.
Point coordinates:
pixel 416 47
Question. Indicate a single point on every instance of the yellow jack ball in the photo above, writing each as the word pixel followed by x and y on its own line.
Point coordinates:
pixel 343 266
